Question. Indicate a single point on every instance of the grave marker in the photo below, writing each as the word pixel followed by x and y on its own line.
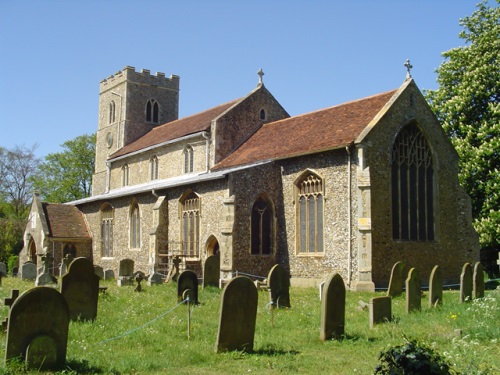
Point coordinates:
pixel 238 316
pixel 45 277
pixel 80 288
pixel 187 280
pixel 126 272
pixel 466 283
pixel 380 310
pixel 396 281
pixel 28 271
pixel 109 274
pixel 38 335
pixel 14 293
pixel 413 291
pixel 211 272
pixel 3 270
pixel 436 287
pixel 279 286
pixel 63 269
pixel 99 271
pixel 333 308
pixel 478 281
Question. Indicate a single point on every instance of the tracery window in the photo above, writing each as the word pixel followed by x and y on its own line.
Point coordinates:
pixel 190 224
pixel 152 111
pixel 153 168
pixel 112 112
pixel 106 231
pixel 310 214
pixel 412 184
pixel 262 227
pixel 188 159
pixel 125 175
pixel 135 227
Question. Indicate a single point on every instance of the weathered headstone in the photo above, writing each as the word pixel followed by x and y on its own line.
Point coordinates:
pixel 333 308
pixel 63 269
pixel 14 293
pixel 80 288
pixel 478 281
pixel 28 271
pixel 278 283
pixel 45 277
pixel 466 283
pixel 238 316
pixel 38 335
pixel 380 310
pixel 396 281
pixel 99 271
pixel 436 287
pixel 211 272
pixel 109 274
pixel 3 269
pixel 126 272
pixel 187 280
pixel 413 291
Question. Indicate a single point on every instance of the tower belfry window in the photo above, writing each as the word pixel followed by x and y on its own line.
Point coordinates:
pixel 152 111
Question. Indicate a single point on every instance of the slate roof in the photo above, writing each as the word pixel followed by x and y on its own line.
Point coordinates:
pixel 322 130
pixel 65 221
pixel 176 129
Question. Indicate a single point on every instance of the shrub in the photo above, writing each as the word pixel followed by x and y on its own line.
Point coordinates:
pixel 12 262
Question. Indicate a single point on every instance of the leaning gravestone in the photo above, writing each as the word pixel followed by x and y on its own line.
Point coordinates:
pixel 478 281
pixel 126 272
pixel 237 316
pixel 38 329
pixel 436 287
pixel 413 291
pixel 396 281
pixel 80 288
pixel 44 276
pixel 466 283
pixel 380 309
pixel 28 271
pixel 188 281
pixel 99 271
pixel 333 308
pixel 211 273
pixel 279 287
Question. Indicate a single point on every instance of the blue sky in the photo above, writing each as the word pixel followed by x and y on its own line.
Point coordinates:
pixel 315 54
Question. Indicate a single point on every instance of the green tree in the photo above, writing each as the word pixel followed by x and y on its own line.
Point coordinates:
pixel 467 103
pixel 66 176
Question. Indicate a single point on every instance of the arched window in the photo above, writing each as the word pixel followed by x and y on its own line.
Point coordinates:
pixel 153 168
pixel 188 159
pixel 262 114
pixel 125 175
pixel 135 227
pixel 152 111
pixel 107 231
pixel 309 214
pixel 412 184
pixel 262 232
pixel 190 224
pixel 112 112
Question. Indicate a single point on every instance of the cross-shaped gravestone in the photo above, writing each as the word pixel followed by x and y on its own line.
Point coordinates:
pixel 14 293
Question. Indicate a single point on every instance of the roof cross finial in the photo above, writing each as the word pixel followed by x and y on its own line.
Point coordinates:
pixel 260 73
pixel 408 68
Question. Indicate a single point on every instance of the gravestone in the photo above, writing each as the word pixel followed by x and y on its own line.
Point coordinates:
pixel 436 287
pixel 126 272
pixel 45 277
pixel 80 288
pixel 478 281
pixel 176 264
pixel 238 315
pixel 278 283
pixel 211 272
pixel 3 270
pixel 413 291
pixel 396 281
pixel 14 293
pixel 65 264
pixel 333 308
pixel 380 310
pixel 187 280
pixel 28 271
pixel 466 283
pixel 99 271
pixel 139 277
pixel 38 335
pixel 109 274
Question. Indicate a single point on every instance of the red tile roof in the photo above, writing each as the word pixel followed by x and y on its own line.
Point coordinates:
pixel 176 129
pixel 318 131
pixel 65 221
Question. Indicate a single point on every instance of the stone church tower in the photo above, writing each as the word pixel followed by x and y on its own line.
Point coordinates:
pixel 130 104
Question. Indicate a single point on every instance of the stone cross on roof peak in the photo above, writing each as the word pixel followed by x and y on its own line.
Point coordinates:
pixel 260 73
pixel 408 68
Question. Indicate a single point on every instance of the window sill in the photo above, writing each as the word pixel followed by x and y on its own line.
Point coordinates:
pixel 310 255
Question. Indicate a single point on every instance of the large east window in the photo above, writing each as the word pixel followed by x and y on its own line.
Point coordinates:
pixel 412 184
pixel 310 214
pixel 106 231
pixel 262 227
pixel 190 224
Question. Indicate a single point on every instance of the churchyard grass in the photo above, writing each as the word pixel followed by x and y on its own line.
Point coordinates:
pixel 126 338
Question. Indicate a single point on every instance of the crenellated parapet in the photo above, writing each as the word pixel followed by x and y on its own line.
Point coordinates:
pixel 143 77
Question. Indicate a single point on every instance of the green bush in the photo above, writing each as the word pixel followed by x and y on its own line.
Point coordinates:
pixel 12 262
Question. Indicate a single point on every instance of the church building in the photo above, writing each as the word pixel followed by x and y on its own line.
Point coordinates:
pixel 352 188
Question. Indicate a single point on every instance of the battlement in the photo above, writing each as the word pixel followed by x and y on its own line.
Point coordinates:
pixel 143 77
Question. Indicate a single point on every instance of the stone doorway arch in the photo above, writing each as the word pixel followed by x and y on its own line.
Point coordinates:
pixel 32 252
pixel 212 246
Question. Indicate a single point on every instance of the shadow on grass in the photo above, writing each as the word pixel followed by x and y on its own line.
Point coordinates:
pixel 83 366
pixel 273 351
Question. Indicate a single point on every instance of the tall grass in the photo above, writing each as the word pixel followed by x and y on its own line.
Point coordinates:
pixel 146 333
